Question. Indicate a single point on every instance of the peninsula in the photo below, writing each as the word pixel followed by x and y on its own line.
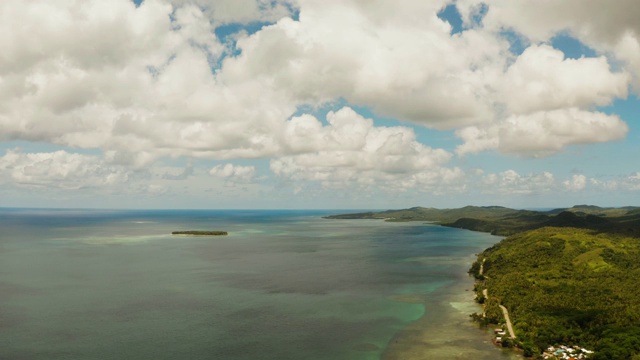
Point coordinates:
pixel 499 220
pixel 200 233
pixel 568 277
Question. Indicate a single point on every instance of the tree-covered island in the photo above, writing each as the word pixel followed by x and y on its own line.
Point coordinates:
pixel 568 277
pixel 200 233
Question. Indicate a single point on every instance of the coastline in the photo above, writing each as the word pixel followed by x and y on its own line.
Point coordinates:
pixel 569 246
pixel 459 337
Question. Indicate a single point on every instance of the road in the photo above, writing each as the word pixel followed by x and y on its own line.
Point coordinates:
pixel 506 317
pixel 485 292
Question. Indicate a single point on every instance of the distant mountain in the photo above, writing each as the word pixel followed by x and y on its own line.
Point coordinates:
pixel 500 220
pixel 433 214
pixel 596 210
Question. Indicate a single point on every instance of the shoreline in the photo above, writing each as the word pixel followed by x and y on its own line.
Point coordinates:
pixel 461 337
pixel 468 340
pixel 417 342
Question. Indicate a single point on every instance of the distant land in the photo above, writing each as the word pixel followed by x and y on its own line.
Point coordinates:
pixel 504 221
pixel 200 233
pixel 568 277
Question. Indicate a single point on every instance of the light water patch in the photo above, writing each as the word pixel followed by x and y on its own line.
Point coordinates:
pixel 114 240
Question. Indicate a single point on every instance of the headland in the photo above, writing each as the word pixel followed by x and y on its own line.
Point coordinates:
pixel 568 276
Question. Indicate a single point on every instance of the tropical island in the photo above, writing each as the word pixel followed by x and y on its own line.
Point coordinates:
pixel 566 278
pixel 199 233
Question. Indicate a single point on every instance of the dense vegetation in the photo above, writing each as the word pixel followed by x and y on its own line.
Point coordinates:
pixel 199 233
pixel 567 286
pixel 499 220
pixel 433 214
pixel 568 276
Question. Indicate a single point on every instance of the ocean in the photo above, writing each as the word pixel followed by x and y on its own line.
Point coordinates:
pixel 113 284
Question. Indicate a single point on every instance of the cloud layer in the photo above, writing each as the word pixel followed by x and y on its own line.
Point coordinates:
pixel 198 79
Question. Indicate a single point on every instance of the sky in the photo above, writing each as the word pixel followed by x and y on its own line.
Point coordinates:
pixel 306 104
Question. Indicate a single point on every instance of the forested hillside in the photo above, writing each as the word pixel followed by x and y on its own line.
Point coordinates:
pixel 568 276
pixel 499 220
pixel 568 286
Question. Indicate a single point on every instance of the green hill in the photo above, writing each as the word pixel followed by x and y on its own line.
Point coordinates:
pixel 596 210
pixel 499 220
pixel 569 286
pixel 568 276
pixel 438 215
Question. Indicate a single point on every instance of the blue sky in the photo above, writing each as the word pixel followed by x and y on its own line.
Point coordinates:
pixel 296 104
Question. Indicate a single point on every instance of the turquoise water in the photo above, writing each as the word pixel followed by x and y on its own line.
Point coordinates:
pixel 282 285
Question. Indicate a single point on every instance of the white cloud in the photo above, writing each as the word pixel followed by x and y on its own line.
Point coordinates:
pixel 629 182
pixel 576 183
pixel 627 49
pixel 402 65
pixel 546 132
pixel 138 84
pixel 241 11
pixel 614 31
pixel 351 151
pixel 542 20
pixel 633 181
pixel 542 79
pixel 511 182
pixel 234 173
pixel 60 169
pixel 607 185
pixel 142 84
pixel 130 82
pixel 543 133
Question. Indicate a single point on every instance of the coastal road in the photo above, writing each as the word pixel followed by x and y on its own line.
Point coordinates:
pixel 506 317
pixel 485 292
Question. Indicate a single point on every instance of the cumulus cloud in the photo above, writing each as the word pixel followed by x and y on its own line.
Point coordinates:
pixel 402 65
pixel 473 80
pixel 607 185
pixel 633 181
pixel 576 183
pixel 543 133
pixel 234 173
pixel 542 79
pixel 351 151
pixel 630 182
pixel 542 20
pixel 511 182
pixel 134 82
pixel 60 169
pixel 627 49
pixel 241 11
pixel 615 31
pixel 145 83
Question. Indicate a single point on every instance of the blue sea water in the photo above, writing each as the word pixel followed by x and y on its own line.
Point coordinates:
pixel 101 284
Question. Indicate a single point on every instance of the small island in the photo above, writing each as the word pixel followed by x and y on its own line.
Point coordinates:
pixel 199 233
